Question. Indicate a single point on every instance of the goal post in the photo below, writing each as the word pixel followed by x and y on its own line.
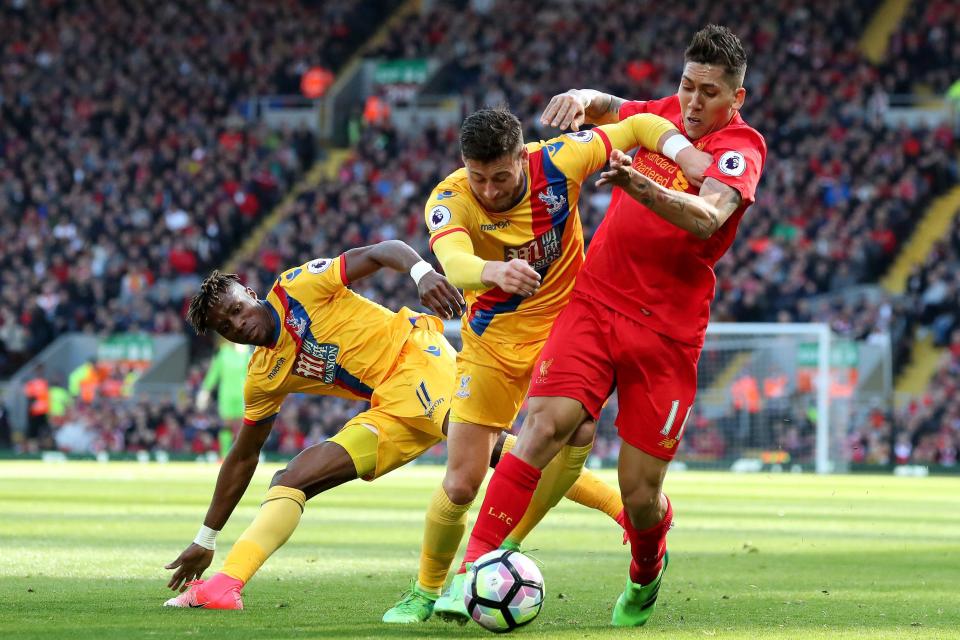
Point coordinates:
pixel 774 380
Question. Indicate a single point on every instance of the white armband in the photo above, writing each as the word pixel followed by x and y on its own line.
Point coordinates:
pixel 206 538
pixel 675 145
pixel 419 270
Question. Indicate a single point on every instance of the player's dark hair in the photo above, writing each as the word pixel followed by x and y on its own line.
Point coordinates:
pixel 490 134
pixel 211 289
pixel 719 46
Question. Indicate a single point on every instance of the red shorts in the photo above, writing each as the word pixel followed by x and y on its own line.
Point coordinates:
pixel 593 350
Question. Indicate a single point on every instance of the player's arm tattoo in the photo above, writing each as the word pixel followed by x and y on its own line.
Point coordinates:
pixel 702 215
pixel 602 108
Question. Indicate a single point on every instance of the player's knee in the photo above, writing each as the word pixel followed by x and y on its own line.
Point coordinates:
pixel 542 426
pixel 460 489
pixel 642 502
pixel 584 434
pixel 322 463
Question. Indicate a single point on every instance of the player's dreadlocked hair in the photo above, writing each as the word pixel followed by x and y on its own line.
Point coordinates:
pixel 490 134
pixel 719 46
pixel 210 291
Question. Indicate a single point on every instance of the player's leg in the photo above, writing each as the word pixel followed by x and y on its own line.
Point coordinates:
pixel 468 451
pixel 590 491
pixel 486 400
pixel 550 423
pixel 572 379
pixel 314 470
pixel 556 480
pixel 587 490
pixel 657 380
pixel 649 516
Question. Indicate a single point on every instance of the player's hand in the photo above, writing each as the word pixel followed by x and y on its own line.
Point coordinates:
pixel 621 171
pixel 694 164
pixel 189 565
pixel 516 277
pixel 564 111
pixel 441 297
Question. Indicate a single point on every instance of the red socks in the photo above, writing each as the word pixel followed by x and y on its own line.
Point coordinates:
pixel 647 548
pixel 507 499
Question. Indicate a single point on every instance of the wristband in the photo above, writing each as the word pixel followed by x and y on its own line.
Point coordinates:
pixel 206 538
pixel 419 270
pixel 674 145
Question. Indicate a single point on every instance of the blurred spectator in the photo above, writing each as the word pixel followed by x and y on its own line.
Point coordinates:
pixel 37 392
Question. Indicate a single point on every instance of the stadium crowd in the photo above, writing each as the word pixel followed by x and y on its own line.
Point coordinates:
pixel 840 190
pixel 930 31
pixel 126 167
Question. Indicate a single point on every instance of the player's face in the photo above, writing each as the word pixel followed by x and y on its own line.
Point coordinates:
pixel 239 317
pixel 707 100
pixel 498 184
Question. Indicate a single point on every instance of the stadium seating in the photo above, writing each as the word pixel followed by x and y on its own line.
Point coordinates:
pixel 126 168
pixel 929 31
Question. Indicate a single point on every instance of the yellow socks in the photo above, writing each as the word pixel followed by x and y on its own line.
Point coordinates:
pixel 591 491
pixel 557 478
pixel 508 443
pixel 279 516
pixel 445 524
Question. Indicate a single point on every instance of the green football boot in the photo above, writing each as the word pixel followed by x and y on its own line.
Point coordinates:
pixel 450 606
pixel 636 603
pixel 415 605
pixel 510 545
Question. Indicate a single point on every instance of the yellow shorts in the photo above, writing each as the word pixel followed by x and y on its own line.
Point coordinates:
pixel 492 380
pixel 407 409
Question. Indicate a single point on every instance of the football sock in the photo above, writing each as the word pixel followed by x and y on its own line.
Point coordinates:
pixel 557 478
pixel 647 547
pixel 279 516
pixel 507 499
pixel 591 491
pixel 445 524
pixel 508 443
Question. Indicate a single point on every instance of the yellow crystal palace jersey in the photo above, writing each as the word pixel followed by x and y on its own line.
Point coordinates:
pixel 328 340
pixel 543 228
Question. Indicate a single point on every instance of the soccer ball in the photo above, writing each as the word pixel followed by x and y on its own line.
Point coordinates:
pixel 504 590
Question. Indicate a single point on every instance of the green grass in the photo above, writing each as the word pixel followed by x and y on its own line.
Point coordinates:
pixel 82 549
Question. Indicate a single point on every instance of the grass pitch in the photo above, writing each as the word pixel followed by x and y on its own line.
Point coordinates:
pixel 82 549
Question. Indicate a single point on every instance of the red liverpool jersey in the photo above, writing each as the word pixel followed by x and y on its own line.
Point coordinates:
pixel 642 266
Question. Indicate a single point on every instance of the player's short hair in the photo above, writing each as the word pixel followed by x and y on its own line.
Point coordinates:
pixel 718 45
pixel 489 134
pixel 211 290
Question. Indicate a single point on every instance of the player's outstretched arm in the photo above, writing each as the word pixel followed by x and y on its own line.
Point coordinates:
pixel 232 481
pixel 572 109
pixel 702 215
pixel 436 293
